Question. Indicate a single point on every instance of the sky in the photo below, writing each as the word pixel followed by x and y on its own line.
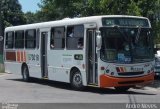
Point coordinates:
pixel 29 5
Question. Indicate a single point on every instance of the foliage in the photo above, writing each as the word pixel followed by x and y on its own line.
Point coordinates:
pixel 59 9
pixel 11 12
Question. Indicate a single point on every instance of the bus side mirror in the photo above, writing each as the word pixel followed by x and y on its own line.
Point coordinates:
pixel 98 40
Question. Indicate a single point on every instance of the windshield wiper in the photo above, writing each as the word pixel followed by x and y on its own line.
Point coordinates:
pixel 128 40
pixel 122 33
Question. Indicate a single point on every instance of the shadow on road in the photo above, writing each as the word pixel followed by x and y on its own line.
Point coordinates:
pixel 66 86
pixel 156 83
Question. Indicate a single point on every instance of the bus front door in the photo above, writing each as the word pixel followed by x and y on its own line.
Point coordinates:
pixel 44 66
pixel 91 57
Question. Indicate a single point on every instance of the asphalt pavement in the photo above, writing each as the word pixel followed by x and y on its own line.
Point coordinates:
pixel 42 93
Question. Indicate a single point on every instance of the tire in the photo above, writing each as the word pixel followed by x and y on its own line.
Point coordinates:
pixel 122 89
pixel 76 80
pixel 25 74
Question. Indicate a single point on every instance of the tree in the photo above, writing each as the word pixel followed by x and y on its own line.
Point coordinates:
pixel 31 17
pixel 10 14
pixel 59 9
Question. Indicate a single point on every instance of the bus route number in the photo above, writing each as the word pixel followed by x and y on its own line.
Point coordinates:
pixel 33 57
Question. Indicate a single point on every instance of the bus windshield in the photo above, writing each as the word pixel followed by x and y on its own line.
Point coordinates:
pixel 126 45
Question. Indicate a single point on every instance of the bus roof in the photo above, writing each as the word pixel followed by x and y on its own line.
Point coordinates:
pixel 67 21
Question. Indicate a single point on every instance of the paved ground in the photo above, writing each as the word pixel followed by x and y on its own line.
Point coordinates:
pixel 14 90
pixel 2 73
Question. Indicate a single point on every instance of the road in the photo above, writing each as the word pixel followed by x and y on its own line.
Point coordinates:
pixel 14 90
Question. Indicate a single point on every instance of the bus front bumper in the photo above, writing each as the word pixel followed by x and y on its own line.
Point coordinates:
pixel 109 81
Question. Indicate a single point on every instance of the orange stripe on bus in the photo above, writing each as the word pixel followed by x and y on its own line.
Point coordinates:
pixel 24 54
pixel 109 81
pixel 121 69
pixel 124 69
pixel 21 56
pixel 18 56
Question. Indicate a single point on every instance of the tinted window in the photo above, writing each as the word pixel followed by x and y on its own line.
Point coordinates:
pixel 37 38
pixel 75 37
pixel 19 39
pixel 9 40
pixel 30 39
pixel 57 38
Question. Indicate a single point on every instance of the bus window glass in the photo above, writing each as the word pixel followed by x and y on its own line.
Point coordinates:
pixel 75 37
pixel 57 38
pixel 9 40
pixel 37 38
pixel 125 45
pixel 30 39
pixel 19 39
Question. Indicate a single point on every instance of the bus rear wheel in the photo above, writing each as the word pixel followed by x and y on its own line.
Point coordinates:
pixel 76 80
pixel 122 88
pixel 25 74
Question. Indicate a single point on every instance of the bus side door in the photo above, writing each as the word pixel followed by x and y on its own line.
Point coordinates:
pixel 91 57
pixel 43 52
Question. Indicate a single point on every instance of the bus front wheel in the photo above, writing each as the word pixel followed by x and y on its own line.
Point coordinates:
pixel 76 80
pixel 25 74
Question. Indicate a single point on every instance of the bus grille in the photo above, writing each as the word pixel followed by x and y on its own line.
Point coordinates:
pixel 130 73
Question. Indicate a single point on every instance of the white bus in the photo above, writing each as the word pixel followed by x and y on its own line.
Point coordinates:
pixel 99 51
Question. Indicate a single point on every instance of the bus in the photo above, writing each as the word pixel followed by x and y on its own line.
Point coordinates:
pixel 100 51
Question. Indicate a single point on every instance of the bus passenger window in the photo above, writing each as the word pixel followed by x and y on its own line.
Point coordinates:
pixel 70 32
pixel 52 44
pixel 37 38
pixel 52 39
pixel 30 39
pixel 80 43
pixel 9 40
pixel 75 37
pixel 19 39
pixel 57 39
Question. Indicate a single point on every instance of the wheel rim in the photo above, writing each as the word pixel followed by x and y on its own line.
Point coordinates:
pixel 77 79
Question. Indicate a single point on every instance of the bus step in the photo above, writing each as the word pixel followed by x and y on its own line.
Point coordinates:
pixel 45 78
pixel 93 85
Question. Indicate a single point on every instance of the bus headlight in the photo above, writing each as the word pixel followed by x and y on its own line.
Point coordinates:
pixel 148 71
pixel 107 71
pixel 112 73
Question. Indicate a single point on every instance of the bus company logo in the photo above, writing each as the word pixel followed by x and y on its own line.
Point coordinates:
pixel 33 57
